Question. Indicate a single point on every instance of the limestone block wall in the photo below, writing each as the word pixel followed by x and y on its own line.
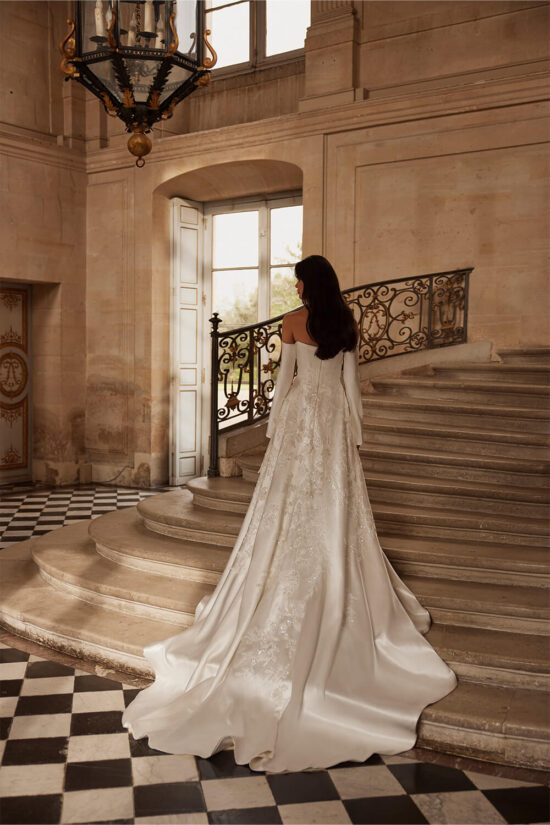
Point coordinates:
pixel 42 231
pixel 420 134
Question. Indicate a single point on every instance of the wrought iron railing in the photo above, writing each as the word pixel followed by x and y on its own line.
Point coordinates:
pixel 395 317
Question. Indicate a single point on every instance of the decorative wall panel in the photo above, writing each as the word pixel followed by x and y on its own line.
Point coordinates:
pixel 15 453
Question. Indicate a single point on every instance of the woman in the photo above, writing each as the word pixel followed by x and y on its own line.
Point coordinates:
pixel 310 651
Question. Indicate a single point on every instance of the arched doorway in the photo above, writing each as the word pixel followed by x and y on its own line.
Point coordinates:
pixel 204 204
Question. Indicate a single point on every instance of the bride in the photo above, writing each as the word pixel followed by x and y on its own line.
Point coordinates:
pixel 310 651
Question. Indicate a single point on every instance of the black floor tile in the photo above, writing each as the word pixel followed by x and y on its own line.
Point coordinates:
pixel 288 788
pixel 91 682
pixel 372 760
pixel 104 773
pixel 43 751
pixel 10 687
pixel 8 654
pixel 50 703
pixel 246 816
pixel 44 670
pixel 5 726
pixel 129 694
pixel 521 805
pixel 379 810
pixel 424 777
pixel 222 765
pixel 140 747
pixel 39 809
pixel 100 722
pixel 168 798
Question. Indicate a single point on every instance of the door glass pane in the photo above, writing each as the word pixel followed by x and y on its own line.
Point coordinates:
pixel 230 38
pixel 235 240
pixel 286 24
pixel 235 297
pixel 283 290
pixel 286 234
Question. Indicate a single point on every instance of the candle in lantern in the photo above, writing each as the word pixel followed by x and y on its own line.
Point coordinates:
pixel 99 21
pixel 132 28
pixel 149 23
pixel 160 33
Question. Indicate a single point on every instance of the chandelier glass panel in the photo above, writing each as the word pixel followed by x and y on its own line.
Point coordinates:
pixel 139 57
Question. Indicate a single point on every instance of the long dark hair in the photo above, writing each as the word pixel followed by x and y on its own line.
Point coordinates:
pixel 330 323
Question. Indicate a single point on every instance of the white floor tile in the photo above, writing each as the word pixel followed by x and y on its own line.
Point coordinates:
pixel 98 746
pixel 41 725
pixel 31 780
pixel 94 806
pixel 367 780
pixel 149 770
pixel 101 700
pixel 238 792
pixel 331 812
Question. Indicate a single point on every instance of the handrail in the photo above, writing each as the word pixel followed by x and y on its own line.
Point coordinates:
pixel 395 317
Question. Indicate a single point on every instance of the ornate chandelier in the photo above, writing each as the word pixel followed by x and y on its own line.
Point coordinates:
pixel 139 57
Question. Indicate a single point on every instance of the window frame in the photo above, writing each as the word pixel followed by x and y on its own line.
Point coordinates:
pixel 257 58
pixel 263 205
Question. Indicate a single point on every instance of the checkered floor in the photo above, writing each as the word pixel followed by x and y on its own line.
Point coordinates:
pixel 32 513
pixel 66 758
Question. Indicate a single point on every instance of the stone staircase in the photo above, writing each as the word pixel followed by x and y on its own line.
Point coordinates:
pixel 456 464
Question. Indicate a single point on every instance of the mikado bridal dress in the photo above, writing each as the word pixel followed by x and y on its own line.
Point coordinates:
pixel 310 651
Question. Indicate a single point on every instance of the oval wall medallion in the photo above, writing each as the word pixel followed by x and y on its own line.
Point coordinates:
pixel 13 374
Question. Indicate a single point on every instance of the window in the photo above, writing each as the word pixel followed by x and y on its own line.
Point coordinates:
pixel 254 246
pixel 248 33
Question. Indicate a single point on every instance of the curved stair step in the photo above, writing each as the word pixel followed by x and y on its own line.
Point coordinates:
pixel 493 657
pixel 511 608
pixel 481 416
pixel 496 724
pixel 68 560
pixel 122 537
pixel 30 608
pixel 174 514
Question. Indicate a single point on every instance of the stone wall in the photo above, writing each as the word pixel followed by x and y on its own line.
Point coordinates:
pixel 42 231
pixel 421 132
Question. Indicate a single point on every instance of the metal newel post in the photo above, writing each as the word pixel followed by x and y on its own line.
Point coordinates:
pixel 213 468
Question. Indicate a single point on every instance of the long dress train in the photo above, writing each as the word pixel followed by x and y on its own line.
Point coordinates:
pixel 310 651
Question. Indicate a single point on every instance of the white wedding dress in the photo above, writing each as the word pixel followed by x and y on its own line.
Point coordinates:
pixel 310 651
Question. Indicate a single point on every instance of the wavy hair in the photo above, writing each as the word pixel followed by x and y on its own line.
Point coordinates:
pixel 330 323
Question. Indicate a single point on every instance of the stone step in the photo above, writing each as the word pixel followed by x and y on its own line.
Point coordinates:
pixel 506 725
pixel 426 522
pixel 493 657
pixel 471 561
pixel 174 514
pixel 511 608
pixel 29 607
pixel 482 721
pixel 525 355
pixel 416 461
pixel 458 414
pixel 395 518
pixel 456 439
pixel 67 559
pixel 122 537
pixel 509 373
pixel 468 561
pixel 521 480
pixel 531 396
pixel 420 490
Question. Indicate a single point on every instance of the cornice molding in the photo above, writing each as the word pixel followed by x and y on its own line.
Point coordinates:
pixel 475 97
pixel 37 147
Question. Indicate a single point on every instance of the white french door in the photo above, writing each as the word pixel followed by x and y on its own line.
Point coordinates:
pixel 186 340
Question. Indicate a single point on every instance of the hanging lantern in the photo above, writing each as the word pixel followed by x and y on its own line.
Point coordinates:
pixel 139 57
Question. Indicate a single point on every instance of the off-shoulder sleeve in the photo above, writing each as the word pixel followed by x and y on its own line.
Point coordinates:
pixel 352 387
pixel 284 380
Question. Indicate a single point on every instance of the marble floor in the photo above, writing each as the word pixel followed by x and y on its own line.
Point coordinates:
pixel 66 758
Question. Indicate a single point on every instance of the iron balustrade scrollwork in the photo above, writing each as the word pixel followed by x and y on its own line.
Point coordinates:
pixel 395 317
